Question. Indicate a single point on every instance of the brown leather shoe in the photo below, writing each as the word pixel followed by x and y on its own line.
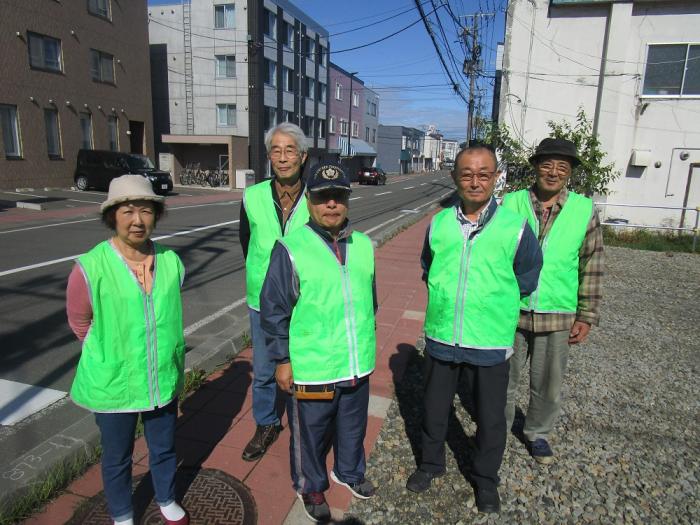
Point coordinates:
pixel 265 435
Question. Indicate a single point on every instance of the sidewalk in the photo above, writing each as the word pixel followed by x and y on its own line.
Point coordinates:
pixel 216 421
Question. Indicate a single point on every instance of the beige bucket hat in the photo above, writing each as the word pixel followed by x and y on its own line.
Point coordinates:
pixel 129 188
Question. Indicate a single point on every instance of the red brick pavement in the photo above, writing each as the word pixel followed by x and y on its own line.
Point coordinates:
pixel 216 421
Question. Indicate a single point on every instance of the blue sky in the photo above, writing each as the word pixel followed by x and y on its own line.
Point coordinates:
pixel 404 69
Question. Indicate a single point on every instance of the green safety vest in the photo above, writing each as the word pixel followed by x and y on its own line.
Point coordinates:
pixel 473 294
pixel 133 357
pixel 557 290
pixel 264 231
pixel 331 333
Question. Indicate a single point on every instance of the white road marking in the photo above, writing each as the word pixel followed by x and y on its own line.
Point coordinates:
pixel 208 319
pixel 20 400
pixel 79 200
pixel 73 257
pixel 409 187
pixel 97 219
pixel 406 212
pixel 24 194
pixel 375 228
pixel 423 183
pixel 383 193
pixel 355 198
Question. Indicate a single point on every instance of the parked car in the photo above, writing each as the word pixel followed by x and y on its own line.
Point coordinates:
pixel 374 176
pixel 447 165
pixel 96 169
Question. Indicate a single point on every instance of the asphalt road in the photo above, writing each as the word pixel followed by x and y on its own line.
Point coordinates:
pixel 37 345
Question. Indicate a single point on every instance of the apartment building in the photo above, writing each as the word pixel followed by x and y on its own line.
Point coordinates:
pixel 74 75
pixel 399 148
pixel 225 72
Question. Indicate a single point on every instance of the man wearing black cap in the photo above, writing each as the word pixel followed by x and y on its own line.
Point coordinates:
pixel 318 303
pixel 566 303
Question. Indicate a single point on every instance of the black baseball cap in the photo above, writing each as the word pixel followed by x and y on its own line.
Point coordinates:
pixel 326 176
pixel 550 147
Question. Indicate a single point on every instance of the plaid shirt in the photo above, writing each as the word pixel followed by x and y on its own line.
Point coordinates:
pixel 590 272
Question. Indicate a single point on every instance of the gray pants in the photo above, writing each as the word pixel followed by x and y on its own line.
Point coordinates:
pixel 548 353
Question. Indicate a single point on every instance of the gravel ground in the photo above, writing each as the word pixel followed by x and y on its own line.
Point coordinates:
pixel 627 443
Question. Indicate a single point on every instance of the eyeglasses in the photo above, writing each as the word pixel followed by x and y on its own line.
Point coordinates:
pixel 482 176
pixel 290 153
pixel 561 169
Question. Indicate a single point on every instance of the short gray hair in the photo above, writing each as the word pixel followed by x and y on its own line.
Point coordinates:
pixel 290 129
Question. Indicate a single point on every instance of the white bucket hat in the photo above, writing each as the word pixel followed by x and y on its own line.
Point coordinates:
pixel 129 188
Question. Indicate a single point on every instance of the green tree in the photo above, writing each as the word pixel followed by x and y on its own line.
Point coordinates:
pixel 593 175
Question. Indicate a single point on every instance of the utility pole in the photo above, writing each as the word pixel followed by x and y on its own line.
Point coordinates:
pixel 472 66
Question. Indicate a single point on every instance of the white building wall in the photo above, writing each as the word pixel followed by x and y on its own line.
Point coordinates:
pixel 551 67
pixel 209 90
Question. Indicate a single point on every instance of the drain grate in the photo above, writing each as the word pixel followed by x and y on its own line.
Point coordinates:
pixel 212 497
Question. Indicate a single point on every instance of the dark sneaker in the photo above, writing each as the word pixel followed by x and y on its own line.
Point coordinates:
pixel 488 500
pixel 315 507
pixel 541 451
pixel 363 490
pixel 420 480
pixel 265 435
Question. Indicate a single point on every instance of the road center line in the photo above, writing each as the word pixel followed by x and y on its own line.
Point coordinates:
pixel 73 257
pixel 382 193
pixel 409 187
pixel 355 198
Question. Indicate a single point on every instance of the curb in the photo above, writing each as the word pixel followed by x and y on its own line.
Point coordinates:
pixel 81 438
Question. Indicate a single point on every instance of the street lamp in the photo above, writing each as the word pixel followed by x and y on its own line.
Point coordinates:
pixel 350 112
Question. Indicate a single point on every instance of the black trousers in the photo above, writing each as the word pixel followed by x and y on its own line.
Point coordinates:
pixel 487 386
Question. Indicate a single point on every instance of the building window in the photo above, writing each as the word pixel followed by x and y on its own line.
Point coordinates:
pixel 343 126
pixel 288 35
pixel 331 124
pixel 270 117
pixel 322 56
pixel 226 66
pixel 310 47
pixel 672 69
pixel 270 73
pixel 373 109
pixel 53 133
pixel 86 131
pixel 100 8
pixel 9 123
pixel 271 24
pixel 44 52
pixel 321 129
pixel 355 129
pixel 113 133
pixel 366 133
pixel 288 116
pixel 374 135
pixel 338 91
pixel 288 78
pixel 355 99
pixel 322 88
pixel 101 66
pixel 310 87
pixel 226 114
pixel 225 16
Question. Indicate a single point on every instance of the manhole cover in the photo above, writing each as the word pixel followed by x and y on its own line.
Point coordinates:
pixel 211 497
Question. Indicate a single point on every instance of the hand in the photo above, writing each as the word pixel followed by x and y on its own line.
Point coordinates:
pixel 579 332
pixel 284 378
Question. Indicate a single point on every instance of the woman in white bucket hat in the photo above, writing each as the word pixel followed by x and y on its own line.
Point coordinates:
pixel 124 304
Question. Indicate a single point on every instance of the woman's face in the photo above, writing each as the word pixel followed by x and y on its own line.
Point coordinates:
pixel 135 221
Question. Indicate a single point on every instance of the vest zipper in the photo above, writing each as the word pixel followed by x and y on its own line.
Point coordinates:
pixel 469 244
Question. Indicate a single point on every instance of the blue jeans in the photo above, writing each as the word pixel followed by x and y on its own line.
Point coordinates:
pixel 264 384
pixel 117 438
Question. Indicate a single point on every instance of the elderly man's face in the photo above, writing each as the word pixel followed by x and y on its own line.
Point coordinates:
pixel 475 177
pixel 552 173
pixel 285 157
pixel 328 208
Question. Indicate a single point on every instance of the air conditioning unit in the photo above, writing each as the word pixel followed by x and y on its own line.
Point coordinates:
pixel 640 158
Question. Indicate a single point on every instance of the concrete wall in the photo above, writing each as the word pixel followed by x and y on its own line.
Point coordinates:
pixel 552 66
pixel 125 36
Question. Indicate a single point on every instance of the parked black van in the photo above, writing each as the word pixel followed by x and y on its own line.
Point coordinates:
pixel 96 169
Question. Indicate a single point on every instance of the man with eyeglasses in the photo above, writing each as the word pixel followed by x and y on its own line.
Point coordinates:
pixel 478 261
pixel 567 300
pixel 270 209
pixel 317 306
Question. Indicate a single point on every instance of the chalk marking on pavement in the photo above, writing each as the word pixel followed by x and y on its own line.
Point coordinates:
pixel 383 193
pixel 213 317
pixel 97 219
pixel 355 198
pixel 73 257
